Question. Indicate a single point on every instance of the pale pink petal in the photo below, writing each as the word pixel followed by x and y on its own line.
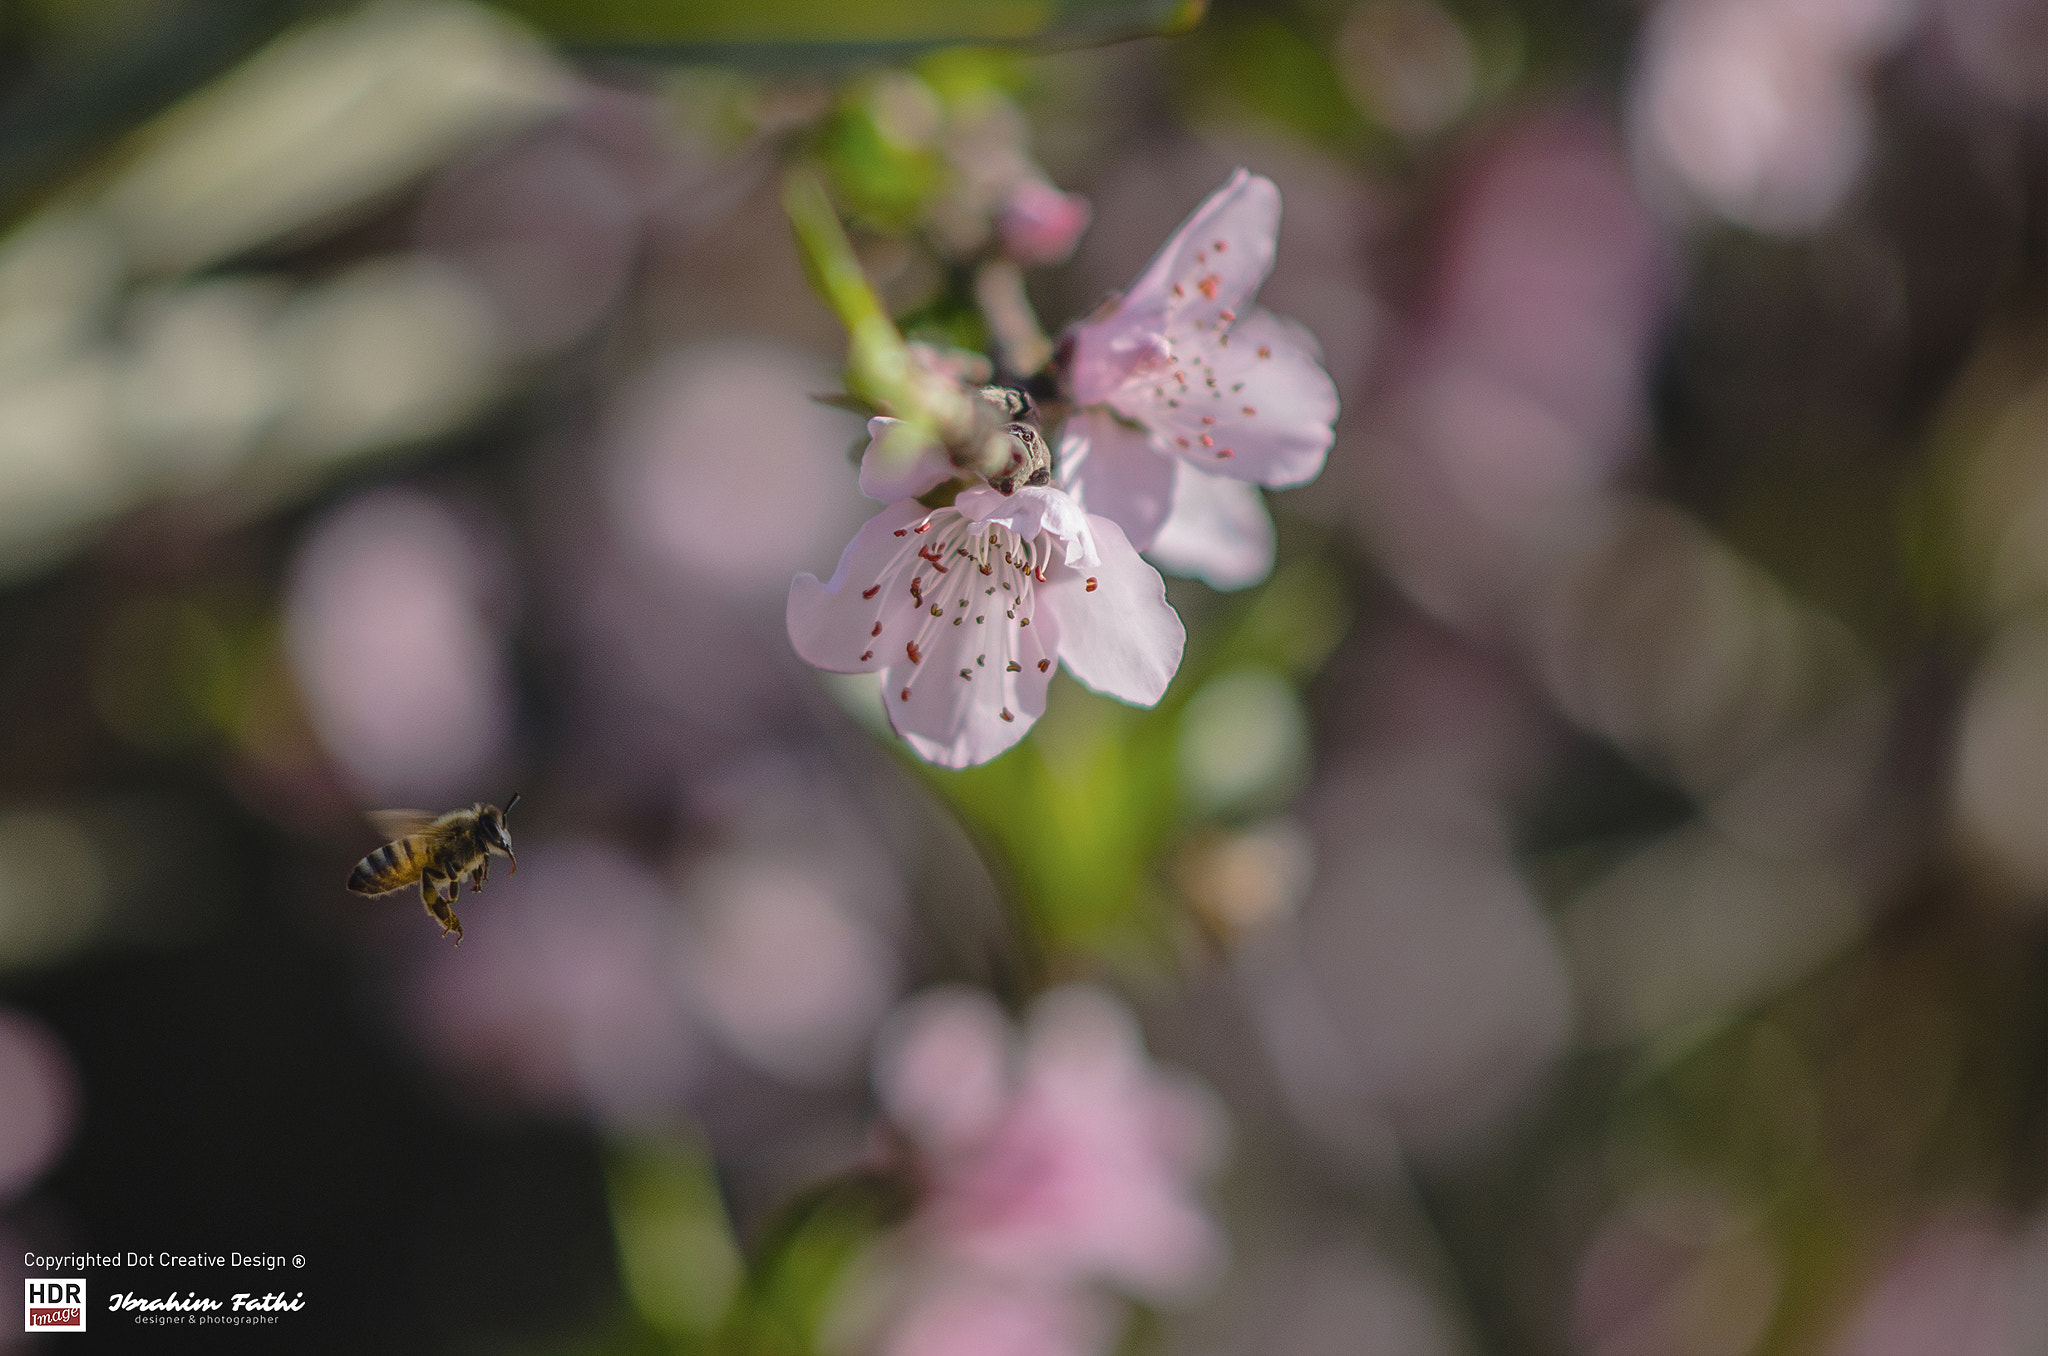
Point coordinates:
pixel 1200 280
pixel 1213 264
pixel 942 1068
pixel 1117 632
pixel 841 626
pixel 1252 403
pixel 979 686
pixel 897 466
pixel 1219 532
pixel 1111 470
pixel 1105 355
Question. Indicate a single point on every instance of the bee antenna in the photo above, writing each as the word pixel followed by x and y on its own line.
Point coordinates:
pixel 510 803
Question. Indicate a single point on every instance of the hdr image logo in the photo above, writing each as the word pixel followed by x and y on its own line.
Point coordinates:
pixel 53 1306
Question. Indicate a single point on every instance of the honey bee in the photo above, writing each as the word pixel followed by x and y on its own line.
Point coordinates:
pixel 438 852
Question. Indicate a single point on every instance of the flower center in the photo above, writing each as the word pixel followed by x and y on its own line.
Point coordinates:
pixel 980 579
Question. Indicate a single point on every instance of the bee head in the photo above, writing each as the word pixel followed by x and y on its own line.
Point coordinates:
pixel 496 837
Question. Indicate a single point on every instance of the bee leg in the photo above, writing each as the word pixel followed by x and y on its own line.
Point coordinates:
pixel 439 909
pixel 480 875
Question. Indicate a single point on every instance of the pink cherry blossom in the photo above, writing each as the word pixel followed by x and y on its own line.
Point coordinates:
pixel 963 610
pixel 1068 1162
pixel 1181 380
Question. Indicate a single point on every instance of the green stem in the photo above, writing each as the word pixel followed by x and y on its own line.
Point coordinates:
pixel 879 368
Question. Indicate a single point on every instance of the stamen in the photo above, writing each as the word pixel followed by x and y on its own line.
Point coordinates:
pixel 869 593
pixel 866 655
pixel 1006 714
pixel 1091 584
pixel 1044 664
pixel 916 655
pixel 877 631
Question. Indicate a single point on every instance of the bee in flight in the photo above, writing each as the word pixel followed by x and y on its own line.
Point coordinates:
pixel 438 852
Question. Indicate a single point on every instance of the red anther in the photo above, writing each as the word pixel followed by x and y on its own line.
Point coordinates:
pixel 1207 441
pixel 1220 246
pixel 1014 667
pixel 866 655
pixel 916 655
pixel 924 527
pixel 1044 664
pixel 902 531
pixel 877 631
pixel 1208 418
pixel 869 593
pixel 1227 315
pixel 1265 352
pixel 1208 286
pixel 1006 714
pixel 1224 452
pixel 1249 411
pixel 1091 584
pixel 904 695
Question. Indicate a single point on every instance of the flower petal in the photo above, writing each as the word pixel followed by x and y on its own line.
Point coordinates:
pixel 977 687
pixel 1112 470
pixel 1117 632
pixel 1219 532
pixel 833 626
pixel 895 466
pixel 1252 404
pixel 1213 263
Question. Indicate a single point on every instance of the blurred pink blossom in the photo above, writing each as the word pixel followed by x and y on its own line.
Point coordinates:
pixel 1959 1286
pixel 38 1100
pixel 394 624
pixel 1038 224
pixel 1071 1160
pixel 963 611
pixel 1757 108
pixel 569 991
pixel 1173 382
pixel 1523 394
pixel 962 1314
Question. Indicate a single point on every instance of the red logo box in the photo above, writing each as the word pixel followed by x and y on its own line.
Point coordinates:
pixel 53 1305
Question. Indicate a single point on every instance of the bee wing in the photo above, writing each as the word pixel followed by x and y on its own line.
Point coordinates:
pixel 401 823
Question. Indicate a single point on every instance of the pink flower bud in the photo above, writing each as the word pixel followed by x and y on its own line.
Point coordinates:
pixel 1039 224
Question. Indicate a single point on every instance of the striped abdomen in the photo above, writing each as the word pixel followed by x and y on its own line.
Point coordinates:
pixel 394 864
